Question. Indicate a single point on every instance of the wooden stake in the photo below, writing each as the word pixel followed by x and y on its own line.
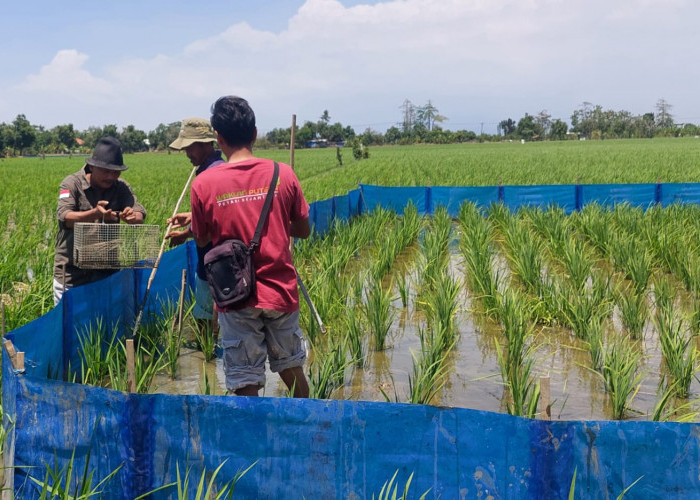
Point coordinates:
pixel 130 366
pixel 545 395
pixel 16 358
pixel 2 315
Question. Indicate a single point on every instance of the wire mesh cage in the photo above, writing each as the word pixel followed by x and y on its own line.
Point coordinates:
pixel 115 246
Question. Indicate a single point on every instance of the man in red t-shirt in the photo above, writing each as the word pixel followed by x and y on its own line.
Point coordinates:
pixel 226 203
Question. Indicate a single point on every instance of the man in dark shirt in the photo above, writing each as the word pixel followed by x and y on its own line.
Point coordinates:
pixel 93 194
pixel 197 139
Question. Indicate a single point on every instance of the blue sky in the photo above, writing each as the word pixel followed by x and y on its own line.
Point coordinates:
pixel 476 61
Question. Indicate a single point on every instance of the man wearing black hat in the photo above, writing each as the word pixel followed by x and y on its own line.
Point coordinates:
pixel 93 194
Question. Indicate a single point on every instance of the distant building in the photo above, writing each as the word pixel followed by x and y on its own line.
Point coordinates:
pixel 317 143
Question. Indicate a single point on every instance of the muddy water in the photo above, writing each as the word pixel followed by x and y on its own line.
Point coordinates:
pixel 474 379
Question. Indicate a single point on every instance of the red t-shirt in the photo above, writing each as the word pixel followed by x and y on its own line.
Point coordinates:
pixel 227 202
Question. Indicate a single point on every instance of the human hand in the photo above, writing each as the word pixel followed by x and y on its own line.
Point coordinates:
pixel 129 215
pixel 180 220
pixel 104 214
pixel 178 237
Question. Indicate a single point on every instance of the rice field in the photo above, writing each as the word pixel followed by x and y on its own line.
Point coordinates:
pixel 467 312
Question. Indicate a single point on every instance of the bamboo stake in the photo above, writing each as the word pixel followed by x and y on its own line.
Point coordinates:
pixel 2 317
pixel 130 366
pixel 160 254
pixel 304 292
pixel 545 396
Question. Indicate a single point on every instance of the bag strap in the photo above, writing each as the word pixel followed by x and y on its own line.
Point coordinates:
pixel 266 208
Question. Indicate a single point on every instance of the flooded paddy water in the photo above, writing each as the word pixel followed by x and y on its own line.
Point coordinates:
pixel 473 377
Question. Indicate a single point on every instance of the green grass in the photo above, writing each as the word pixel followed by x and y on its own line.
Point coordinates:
pixel 28 194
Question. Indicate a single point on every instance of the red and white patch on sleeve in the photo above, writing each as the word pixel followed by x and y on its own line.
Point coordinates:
pixel 65 193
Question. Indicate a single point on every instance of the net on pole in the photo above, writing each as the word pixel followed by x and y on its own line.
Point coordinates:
pixel 115 246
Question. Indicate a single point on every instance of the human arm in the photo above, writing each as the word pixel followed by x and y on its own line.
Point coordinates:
pixel 131 216
pixel 177 236
pixel 98 213
pixel 300 228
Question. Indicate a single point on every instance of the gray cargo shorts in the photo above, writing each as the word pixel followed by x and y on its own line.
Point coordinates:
pixel 250 336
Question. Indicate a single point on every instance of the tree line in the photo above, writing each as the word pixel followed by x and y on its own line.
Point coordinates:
pixel 418 124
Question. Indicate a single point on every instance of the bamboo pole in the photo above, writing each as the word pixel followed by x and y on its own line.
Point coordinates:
pixel 545 396
pixel 130 366
pixel 160 254
pixel 304 291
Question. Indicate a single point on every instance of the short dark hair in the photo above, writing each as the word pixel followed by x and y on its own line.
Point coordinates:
pixel 234 120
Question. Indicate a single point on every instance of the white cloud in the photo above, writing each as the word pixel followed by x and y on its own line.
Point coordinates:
pixel 477 60
pixel 65 74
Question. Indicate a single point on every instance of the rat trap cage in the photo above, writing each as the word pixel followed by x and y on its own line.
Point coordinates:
pixel 115 246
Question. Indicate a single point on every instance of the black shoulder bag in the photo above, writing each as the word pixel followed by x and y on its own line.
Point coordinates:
pixel 229 265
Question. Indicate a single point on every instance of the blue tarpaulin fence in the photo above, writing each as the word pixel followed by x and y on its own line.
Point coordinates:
pixel 317 448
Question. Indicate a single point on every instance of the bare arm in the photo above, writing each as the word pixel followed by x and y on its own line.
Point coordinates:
pixel 131 216
pixel 300 228
pixel 98 213
pixel 178 235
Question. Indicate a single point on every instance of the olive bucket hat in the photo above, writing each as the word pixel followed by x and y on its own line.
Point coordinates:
pixel 107 154
pixel 193 130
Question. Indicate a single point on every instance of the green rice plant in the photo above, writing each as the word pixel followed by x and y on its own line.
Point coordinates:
pixel 60 483
pixel 594 222
pixel 427 380
pixel 524 391
pixel 206 338
pixel 524 254
pixel 679 351
pixel 633 310
pixel 551 224
pixel 665 410
pixel 403 286
pixel 387 493
pixel 432 261
pixel 664 296
pixel 148 361
pixel 440 303
pixel 378 312
pixel 498 215
pixel 327 370
pixel 581 309
pixel 694 318
pixel 205 490
pixel 594 339
pixel 411 224
pixel 516 328
pixel 515 361
pixel 620 376
pixel 94 348
pixel 477 248
pixel 577 261
pixel 354 335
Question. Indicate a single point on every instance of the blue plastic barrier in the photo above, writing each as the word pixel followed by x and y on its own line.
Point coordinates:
pixel 325 449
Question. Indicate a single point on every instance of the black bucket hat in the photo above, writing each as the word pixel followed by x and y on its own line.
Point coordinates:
pixel 107 154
